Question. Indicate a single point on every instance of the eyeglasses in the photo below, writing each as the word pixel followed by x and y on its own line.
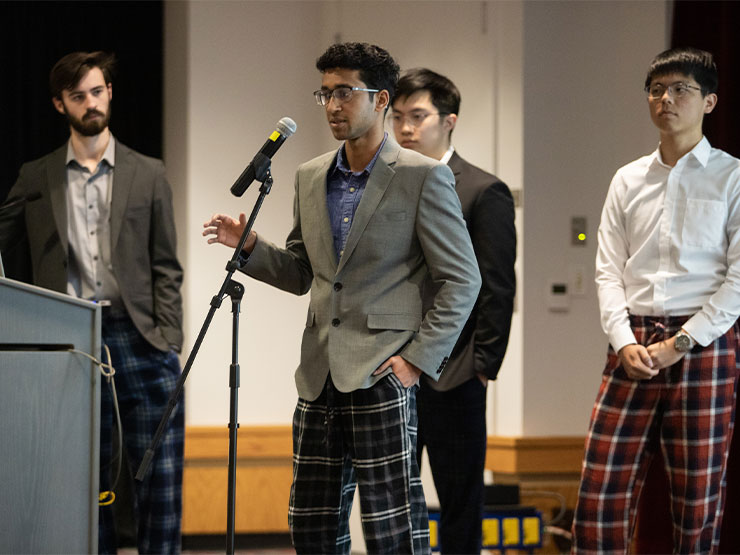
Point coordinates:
pixel 340 94
pixel 676 90
pixel 414 119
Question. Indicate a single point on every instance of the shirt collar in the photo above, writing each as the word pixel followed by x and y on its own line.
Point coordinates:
pixel 109 155
pixel 700 152
pixel 447 155
pixel 341 164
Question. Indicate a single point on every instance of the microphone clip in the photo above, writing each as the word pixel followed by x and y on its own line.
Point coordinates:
pixel 262 165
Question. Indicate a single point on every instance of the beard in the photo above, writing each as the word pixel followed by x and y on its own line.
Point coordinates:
pixel 87 126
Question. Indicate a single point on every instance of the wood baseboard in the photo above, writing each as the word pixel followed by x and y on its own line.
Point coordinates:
pixel 263 478
pixel 535 455
pixel 265 471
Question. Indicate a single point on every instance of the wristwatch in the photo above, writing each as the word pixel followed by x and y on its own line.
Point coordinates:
pixel 683 342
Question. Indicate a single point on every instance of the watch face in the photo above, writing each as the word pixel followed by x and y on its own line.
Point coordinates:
pixel 683 343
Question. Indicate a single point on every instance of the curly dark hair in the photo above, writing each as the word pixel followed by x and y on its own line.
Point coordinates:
pixel 73 67
pixel 693 62
pixel 378 70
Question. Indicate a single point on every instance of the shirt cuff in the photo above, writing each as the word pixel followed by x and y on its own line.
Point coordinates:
pixel 699 327
pixel 243 258
pixel 620 337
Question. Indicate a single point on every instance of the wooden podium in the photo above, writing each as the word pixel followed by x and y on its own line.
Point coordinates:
pixel 49 421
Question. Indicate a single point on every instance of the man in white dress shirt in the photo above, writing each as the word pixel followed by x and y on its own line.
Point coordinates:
pixel 668 277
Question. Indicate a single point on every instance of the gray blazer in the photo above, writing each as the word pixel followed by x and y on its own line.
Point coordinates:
pixel 488 209
pixel 143 242
pixel 367 306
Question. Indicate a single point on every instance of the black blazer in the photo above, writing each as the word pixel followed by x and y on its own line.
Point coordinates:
pixel 143 239
pixel 488 209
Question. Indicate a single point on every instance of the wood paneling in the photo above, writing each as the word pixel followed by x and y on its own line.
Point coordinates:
pixel 264 474
pixel 253 443
pixel 263 478
pixel 534 455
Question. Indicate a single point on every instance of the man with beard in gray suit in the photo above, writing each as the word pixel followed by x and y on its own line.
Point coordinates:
pixel 98 221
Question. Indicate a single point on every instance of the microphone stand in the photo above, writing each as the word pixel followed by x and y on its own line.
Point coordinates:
pixel 234 290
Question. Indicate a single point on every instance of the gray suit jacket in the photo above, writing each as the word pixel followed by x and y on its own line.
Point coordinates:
pixel 143 239
pixel 367 306
pixel 488 209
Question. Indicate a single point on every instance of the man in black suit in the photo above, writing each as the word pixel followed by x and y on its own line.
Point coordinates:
pixel 98 221
pixel 452 411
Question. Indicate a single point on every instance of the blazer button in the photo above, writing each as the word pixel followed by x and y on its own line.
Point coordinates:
pixel 338 287
pixel 335 322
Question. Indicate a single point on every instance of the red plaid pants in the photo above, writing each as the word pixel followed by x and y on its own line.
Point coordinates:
pixel 687 412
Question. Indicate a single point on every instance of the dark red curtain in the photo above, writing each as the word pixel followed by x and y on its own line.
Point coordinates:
pixel 713 26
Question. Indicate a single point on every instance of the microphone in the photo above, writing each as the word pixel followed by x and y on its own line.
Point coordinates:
pixel 261 162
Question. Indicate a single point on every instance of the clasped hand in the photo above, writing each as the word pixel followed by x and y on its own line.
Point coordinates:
pixel 643 363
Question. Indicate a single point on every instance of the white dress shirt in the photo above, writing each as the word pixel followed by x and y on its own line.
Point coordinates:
pixel 447 155
pixel 669 244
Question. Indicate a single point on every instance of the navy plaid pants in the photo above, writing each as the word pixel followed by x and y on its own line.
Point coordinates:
pixel 145 377
pixel 368 438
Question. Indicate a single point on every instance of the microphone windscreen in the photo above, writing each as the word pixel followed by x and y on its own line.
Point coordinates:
pixel 286 126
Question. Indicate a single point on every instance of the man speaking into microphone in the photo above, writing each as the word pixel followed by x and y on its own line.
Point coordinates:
pixel 371 223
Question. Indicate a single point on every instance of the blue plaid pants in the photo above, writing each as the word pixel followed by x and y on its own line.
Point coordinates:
pixel 368 438
pixel 145 377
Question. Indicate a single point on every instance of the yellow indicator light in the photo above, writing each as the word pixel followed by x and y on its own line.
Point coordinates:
pixel 581 236
pixel 531 529
pixel 433 534
pixel 511 531
pixel 490 531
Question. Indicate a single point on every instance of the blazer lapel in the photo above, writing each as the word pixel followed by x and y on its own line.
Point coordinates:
pixel 123 177
pixel 317 209
pixel 379 180
pixel 56 175
pixel 456 166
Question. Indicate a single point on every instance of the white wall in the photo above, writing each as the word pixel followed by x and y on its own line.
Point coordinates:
pixel 249 64
pixel 585 115
pixel 552 103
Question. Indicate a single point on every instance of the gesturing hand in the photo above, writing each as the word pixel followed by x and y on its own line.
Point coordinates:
pixel 227 231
